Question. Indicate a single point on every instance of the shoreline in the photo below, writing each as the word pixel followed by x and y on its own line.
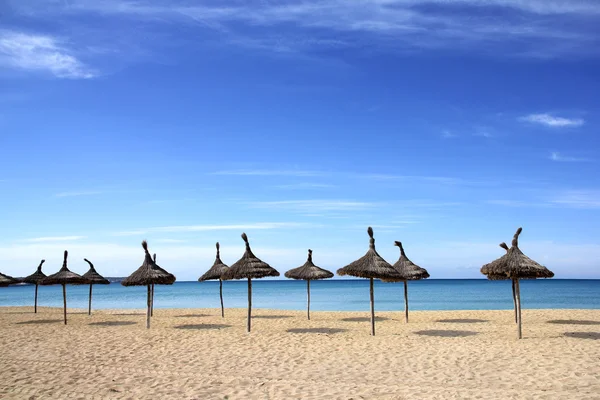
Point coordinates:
pixel 196 354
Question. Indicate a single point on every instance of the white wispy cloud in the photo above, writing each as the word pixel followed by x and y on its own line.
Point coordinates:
pixel 556 156
pixel 54 239
pixel 389 23
pixel 269 172
pixel 446 134
pixel 314 206
pixel 207 228
pixel 578 199
pixel 78 193
pixel 36 52
pixel 306 185
pixel 552 121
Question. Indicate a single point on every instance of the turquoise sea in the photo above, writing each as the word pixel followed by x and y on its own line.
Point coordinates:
pixel 328 295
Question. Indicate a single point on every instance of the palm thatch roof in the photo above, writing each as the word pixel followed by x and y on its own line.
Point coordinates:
pixel 94 277
pixel 371 265
pixel 149 273
pixel 407 269
pixel 218 268
pixel 6 280
pixel 37 277
pixel 515 265
pixel 309 271
pixel 249 266
pixel 64 276
pixel 495 277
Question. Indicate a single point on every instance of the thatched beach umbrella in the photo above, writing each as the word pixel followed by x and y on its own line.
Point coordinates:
pixel 6 280
pixel 64 277
pixel 35 279
pixel 371 266
pixel 308 272
pixel 152 289
pixel 95 279
pixel 249 267
pixel 147 275
pixel 492 277
pixel 515 265
pixel 409 272
pixel 218 268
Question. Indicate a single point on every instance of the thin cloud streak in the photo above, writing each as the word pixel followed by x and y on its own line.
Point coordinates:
pixel 208 228
pixel 54 239
pixel 556 156
pixel 315 206
pixel 431 24
pixel 268 172
pixel 75 194
pixel 552 121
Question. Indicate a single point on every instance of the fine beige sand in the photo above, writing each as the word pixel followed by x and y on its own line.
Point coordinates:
pixel 195 354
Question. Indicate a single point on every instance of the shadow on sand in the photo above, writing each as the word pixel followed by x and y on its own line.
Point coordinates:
pixel 583 335
pixel 317 330
pixel 271 316
pixel 573 322
pixel 112 323
pixel 363 319
pixel 462 321
pixel 191 315
pixel 203 326
pixel 40 321
pixel 446 333
pixel 132 313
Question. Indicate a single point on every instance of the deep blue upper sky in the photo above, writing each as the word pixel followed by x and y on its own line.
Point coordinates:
pixel 443 124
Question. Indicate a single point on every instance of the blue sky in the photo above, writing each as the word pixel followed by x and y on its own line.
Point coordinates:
pixel 443 124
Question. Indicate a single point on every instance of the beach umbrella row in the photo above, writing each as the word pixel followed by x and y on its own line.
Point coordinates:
pixel 215 272
pixel 515 265
pixel 308 272
pixel 249 267
pixel 64 277
pixel 147 275
pixel 371 266
pixel 94 278
pixel 35 279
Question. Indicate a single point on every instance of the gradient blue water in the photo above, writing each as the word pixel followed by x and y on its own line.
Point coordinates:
pixel 330 295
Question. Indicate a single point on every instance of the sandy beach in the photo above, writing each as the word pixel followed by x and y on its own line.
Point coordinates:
pixel 196 354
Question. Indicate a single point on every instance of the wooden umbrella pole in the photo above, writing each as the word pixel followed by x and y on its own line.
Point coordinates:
pixel 152 302
pixel 90 302
pixel 518 297
pixel 149 305
pixel 65 302
pixel 221 295
pixel 406 301
pixel 372 309
pixel 249 303
pixel 308 298
pixel 35 301
pixel 514 299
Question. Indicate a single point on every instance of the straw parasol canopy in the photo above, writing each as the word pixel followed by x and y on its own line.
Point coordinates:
pixel 95 279
pixel 152 288
pixel 409 271
pixel 218 268
pixel 249 267
pixel 308 272
pixel 492 277
pixel 64 277
pixel 147 275
pixel 371 266
pixel 35 279
pixel 6 280
pixel 515 265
